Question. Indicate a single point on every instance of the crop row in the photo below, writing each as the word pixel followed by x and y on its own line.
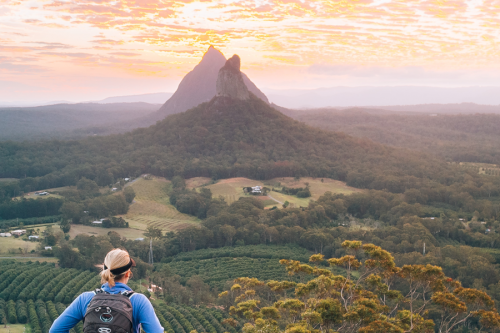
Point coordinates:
pixel 215 272
pixel 24 281
pixel 250 251
pixel 184 319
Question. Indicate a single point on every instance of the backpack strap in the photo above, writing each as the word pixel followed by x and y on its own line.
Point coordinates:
pixel 100 291
pixel 127 293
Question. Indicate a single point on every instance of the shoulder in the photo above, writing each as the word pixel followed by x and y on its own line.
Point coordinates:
pixel 139 299
pixel 85 297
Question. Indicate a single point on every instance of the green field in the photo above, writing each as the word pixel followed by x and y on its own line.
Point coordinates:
pixel 482 168
pixel 232 189
pixel 16 328
pixel 151 206
pixel 7 179
pixel 35 294
pixel 13 244
pixel 129 233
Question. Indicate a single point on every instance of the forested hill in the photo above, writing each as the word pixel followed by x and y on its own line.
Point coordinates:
pixel 459 138
pixel 222 138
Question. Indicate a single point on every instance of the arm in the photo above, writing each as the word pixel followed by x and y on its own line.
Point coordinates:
pixel 72 315
pixel 147 315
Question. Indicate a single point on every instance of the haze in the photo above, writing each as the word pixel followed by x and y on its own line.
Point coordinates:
pixel 90 50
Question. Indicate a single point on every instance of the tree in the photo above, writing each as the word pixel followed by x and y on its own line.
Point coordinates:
pixel 65 226
pixel 129 194
pixel 72 211
pixel 363 299
pixel 153 232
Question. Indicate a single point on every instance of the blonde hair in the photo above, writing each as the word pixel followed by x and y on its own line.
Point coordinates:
pixel 115 258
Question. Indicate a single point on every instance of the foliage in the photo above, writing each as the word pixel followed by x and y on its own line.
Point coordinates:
pixel 374 296
pixel 22 312
pixel 129 194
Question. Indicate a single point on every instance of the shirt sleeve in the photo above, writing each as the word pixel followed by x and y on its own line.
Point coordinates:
pixel 72 315
pixel 147 316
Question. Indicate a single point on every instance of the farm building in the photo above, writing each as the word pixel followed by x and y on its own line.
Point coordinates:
pixel 48 248
pixel 97 222
pixel 18 232
pixel 33 237
pixel 139 239
pixel 41 193
pixel 7 234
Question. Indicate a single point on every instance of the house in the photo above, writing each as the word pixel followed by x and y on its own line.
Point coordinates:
pixel 33 237
pixel 256 190
pixel 126 179
pixel 7 234
pixel 18 232
pixel 41 193
pixel 139 239
pixel 114 189
pixel 2 234
pixel 97 222
pixel 487 231
pixel 48 248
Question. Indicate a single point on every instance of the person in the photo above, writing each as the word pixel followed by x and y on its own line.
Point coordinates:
pixel 114 277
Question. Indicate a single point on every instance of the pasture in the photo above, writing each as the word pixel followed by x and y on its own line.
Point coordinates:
pixel 16 328
pixel 129 233
pixel 151 206
pixel 232 189
pixel 17 246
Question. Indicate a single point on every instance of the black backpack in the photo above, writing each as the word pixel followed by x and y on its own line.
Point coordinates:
pixel 109 313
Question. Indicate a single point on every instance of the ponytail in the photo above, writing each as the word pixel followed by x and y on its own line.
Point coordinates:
pixel 114 259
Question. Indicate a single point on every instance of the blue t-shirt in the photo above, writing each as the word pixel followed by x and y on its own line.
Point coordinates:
pixel 142 311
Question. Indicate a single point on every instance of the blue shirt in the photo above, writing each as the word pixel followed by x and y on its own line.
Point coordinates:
pixel 142 311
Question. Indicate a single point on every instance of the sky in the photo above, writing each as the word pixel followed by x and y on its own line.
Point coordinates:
pixel 78 50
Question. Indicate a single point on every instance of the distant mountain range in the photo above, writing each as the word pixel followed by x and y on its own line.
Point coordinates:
pixel 382 96
pixel 154 98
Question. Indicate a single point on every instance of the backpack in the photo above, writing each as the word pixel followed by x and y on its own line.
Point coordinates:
pixel 109 313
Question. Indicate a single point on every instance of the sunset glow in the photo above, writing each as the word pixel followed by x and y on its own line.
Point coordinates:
pixel 77 50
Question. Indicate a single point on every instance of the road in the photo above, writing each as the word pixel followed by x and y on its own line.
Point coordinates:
pixel 275 199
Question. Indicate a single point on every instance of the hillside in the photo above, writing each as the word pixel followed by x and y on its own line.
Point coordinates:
pixel 223 138
pixel 62 121
pixel 459 138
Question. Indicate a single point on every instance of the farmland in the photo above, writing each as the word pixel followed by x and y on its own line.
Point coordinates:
pixel 151 206
pixel 129 233
pixel 232 189
pixel 35 294
pixel 482 168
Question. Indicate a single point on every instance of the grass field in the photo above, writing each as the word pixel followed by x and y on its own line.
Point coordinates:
pixel 151 206
pixel 7 243
pixel 232 189
pixel 7 179
pixel 129 233
pixel 17 328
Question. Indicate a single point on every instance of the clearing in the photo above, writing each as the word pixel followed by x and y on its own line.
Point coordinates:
pixel 15 328
pixel 232 189
pixel 151 206
pixel 14 244
pixel 77 229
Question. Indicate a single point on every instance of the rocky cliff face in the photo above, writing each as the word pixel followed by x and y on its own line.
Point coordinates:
pixel 199 86
pixel 230 81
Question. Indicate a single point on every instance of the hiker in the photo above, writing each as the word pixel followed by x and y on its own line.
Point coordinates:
pixel 112 308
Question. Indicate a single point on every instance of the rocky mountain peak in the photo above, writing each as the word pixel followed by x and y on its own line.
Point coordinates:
pixel 230 81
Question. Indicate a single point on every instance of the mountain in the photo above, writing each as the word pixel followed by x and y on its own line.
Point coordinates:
pixel 382 96
pixel 198 86
pixel 70 120
pixel 235 134
pixel 154 98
